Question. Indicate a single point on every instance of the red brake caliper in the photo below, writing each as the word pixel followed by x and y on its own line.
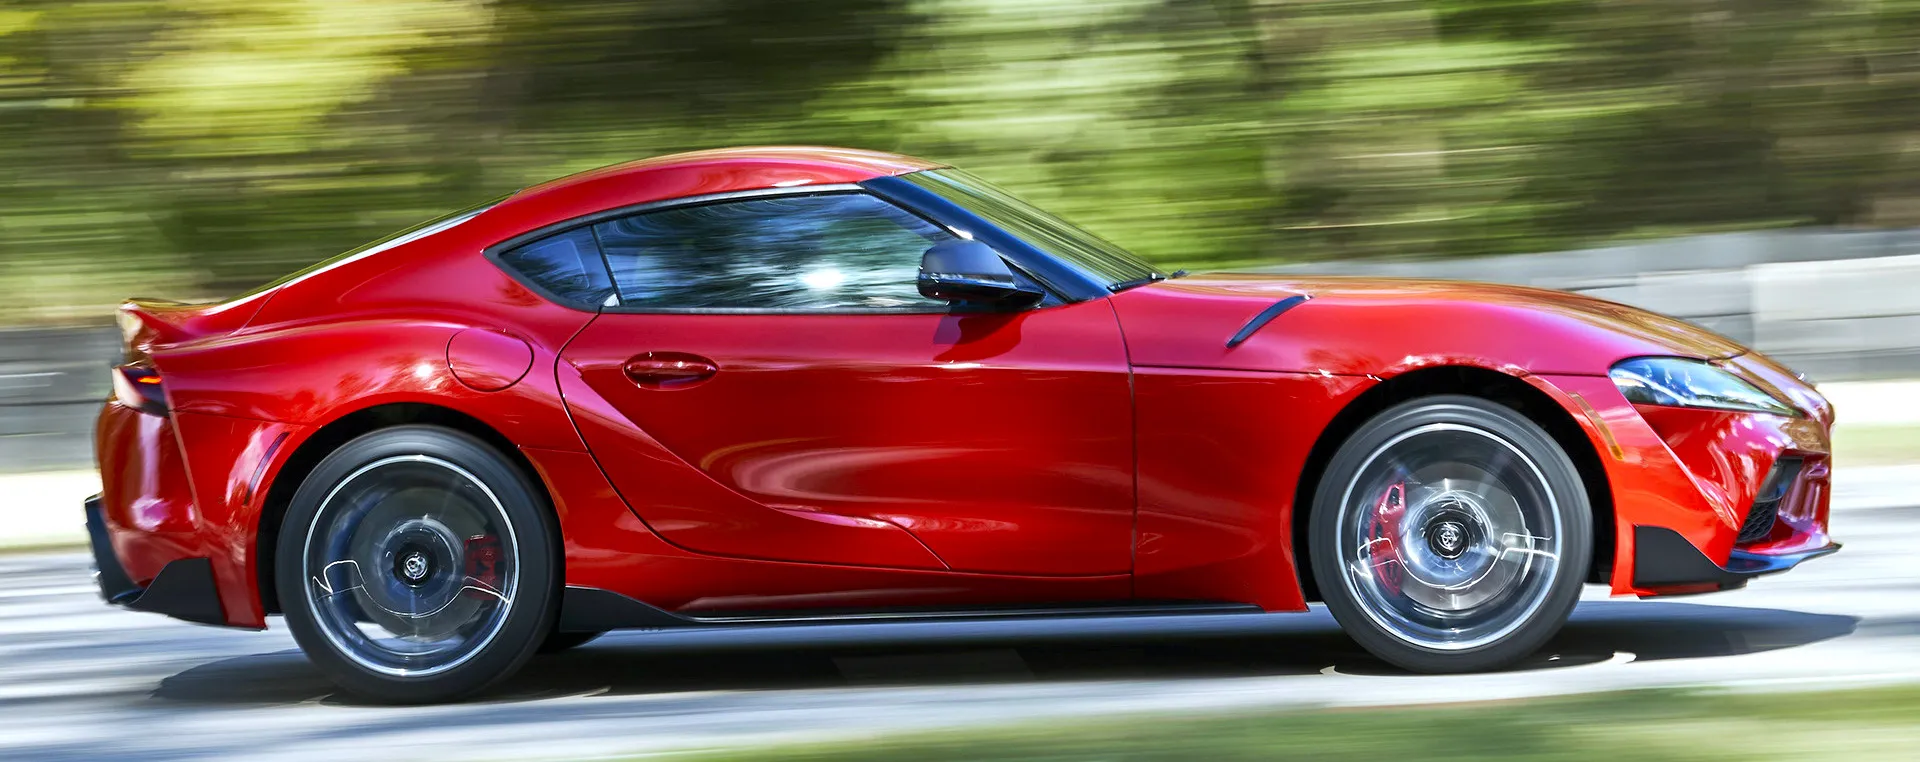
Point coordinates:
pixel 483 565
pixel 1382 553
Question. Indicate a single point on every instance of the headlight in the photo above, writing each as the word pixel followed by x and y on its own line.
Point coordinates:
pixel 1678 382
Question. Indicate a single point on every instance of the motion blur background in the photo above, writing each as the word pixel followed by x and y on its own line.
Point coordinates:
pixel 194 148
pixel 1746 164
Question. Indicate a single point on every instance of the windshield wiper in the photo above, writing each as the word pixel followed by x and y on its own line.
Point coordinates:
pixel 1127 284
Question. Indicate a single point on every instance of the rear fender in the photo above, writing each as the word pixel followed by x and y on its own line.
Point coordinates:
pixel 241 410
pixel 311 375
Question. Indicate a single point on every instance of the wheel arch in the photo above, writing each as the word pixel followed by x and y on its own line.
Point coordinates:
pixel 341 430
pixel 1506 389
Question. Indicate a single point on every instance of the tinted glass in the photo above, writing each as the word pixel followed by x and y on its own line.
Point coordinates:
pixel 829 252
pixel 567 264
pixel 1085 251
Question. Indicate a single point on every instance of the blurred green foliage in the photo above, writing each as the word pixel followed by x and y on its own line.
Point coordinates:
pixel 195 147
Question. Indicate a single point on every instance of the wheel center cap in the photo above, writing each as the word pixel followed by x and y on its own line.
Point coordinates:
pixel 1448 539
pixel 413 567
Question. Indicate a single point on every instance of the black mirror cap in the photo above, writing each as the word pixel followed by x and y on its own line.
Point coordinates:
pixel 964 271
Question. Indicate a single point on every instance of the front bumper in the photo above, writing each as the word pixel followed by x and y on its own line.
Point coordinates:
pixel 184 588
pixel 1666 562
pixel 1719 497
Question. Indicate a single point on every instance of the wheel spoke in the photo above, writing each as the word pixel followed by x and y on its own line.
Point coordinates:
pixel 327 589
pixel 447 495
pixel 1526 544
pixel 482 588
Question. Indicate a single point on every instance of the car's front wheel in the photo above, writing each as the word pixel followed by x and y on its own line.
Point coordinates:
pixel 1450 534
pixel 416 564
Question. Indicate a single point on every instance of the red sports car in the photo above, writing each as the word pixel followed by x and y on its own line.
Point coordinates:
pixel 765 385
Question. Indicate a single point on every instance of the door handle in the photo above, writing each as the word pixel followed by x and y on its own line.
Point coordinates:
pixel 669 370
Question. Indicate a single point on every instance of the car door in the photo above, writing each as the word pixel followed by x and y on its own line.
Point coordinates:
pixel 784 392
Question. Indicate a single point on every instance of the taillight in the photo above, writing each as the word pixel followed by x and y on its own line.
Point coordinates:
pixel 138 387
pixel 130 326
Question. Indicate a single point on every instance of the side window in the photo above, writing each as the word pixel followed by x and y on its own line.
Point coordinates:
pixel 567 264
pixel 839 251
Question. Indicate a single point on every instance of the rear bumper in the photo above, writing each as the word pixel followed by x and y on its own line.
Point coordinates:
pixel 1666 563
pixel 184 589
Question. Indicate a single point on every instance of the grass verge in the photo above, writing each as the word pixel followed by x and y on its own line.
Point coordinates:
pixel 1876 445
pixel 1650 726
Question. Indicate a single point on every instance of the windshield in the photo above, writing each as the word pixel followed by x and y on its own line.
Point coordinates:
pixel 1086 252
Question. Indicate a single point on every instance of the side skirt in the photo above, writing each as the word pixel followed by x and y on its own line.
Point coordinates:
pixel 588 609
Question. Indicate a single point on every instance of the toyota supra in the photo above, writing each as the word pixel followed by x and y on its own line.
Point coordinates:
pixel 761 386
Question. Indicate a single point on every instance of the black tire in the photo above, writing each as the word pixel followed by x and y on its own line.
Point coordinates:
pixel 354 507
pixel 1474 479
pixel 560 642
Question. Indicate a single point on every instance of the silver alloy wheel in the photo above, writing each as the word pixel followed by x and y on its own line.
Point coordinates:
pixel 1449 537
pixel 410 566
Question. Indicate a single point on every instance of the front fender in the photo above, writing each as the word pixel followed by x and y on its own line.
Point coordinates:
pixel 1386 327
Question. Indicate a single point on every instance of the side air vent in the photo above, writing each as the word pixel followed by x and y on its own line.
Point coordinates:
pixel 1266 316
pixel 1766 504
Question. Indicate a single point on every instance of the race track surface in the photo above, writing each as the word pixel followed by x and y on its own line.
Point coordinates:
pixel 80 680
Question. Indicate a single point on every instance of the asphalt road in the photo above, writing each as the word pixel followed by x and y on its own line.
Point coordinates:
pixel 79 680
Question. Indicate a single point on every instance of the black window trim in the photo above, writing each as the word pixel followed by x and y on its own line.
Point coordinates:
pixel 1062 282
pixel 495 252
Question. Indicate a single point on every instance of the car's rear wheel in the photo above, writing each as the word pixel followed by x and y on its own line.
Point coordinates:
pixel 417 565
pixel 1451 534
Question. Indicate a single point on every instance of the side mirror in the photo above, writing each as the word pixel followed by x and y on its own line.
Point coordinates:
pixel 971 271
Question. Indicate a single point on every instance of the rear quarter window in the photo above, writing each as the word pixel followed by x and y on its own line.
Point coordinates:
pixel 567 266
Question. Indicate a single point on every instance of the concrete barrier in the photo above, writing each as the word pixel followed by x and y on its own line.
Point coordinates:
pixel 1838 305
pixel 52 382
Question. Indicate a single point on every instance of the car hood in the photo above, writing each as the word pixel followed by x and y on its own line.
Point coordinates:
pixel 1373 325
